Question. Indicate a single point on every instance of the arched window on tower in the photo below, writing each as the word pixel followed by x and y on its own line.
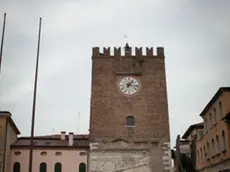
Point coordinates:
pixel 57 167
pixel 17 167
pixel 42 167
pixel 82 167
pixel 130 121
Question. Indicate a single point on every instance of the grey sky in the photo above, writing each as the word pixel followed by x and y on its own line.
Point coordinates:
pixel 195 35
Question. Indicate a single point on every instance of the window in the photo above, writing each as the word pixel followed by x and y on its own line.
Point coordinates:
pixel 82 167
pixel 208 149
pixel 213 147
pixel 43 167
pixel 201 155
pixel 57 167
pixel 210 118
pixel 206 125
pixel 17 167
pixel 82 153
pixel 204 153
pixel 217 144
pixel 214 115
pixel 200 134
pixel 220 109
pixel 198 156
pixel 58 153
pixel 17 153
pixel 224 140
pixel 130 121
pixel 43 153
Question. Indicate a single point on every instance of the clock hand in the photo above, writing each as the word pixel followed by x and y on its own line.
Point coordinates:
pixel 129 84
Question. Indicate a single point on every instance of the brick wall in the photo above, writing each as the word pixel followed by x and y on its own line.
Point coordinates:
pixel 109 108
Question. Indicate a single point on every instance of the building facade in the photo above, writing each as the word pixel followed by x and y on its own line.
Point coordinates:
pixel 185 152
pixel 194 131
pixel 8 135
pixel 55 153
pixel 129 126
pixel 213 150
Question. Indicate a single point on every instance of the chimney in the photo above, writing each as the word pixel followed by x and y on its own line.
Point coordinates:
pixel 71 138
pixel 62 135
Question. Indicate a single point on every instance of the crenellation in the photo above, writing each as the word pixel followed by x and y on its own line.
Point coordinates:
pixel 120 51
pixel 96 51
pixel 117 51
pixel 160 51
pixel 106 51
pixel 149 51
pixel 138 51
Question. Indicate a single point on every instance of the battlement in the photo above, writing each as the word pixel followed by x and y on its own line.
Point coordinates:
pixel 131 51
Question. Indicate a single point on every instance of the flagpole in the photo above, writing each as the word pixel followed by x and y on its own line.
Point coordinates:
pixel 34 101
pixel 2 41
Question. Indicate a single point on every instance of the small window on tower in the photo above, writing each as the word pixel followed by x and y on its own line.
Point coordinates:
pixel 130 121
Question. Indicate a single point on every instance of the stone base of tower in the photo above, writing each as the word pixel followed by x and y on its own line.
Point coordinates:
pixel 123 156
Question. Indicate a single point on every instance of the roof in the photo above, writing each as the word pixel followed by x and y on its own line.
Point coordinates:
pixel 58 136
pixel 52 141
pixel 8 115
pixel 191 128
pixel 214 98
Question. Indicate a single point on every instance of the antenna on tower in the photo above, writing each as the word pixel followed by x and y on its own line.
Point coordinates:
pixel 126 40
pixel 127 47
pixel 78 118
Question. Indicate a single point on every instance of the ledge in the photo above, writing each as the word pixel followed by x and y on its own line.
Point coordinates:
pixel 128 73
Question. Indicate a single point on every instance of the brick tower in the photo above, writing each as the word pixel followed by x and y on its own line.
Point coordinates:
pixel 129 126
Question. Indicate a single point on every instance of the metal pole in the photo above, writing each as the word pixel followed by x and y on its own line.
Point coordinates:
pixel 34 101
pixel 2 41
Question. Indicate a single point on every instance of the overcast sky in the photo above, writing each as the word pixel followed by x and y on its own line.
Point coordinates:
pixel 195 35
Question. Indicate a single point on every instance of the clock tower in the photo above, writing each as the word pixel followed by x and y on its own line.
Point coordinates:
pixel 129 125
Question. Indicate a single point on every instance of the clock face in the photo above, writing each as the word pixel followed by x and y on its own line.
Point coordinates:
pixel 129 85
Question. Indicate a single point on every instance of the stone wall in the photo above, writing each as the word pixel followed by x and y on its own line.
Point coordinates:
pixel 129 157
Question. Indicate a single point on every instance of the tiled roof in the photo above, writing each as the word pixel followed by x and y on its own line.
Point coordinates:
pixel 53 141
